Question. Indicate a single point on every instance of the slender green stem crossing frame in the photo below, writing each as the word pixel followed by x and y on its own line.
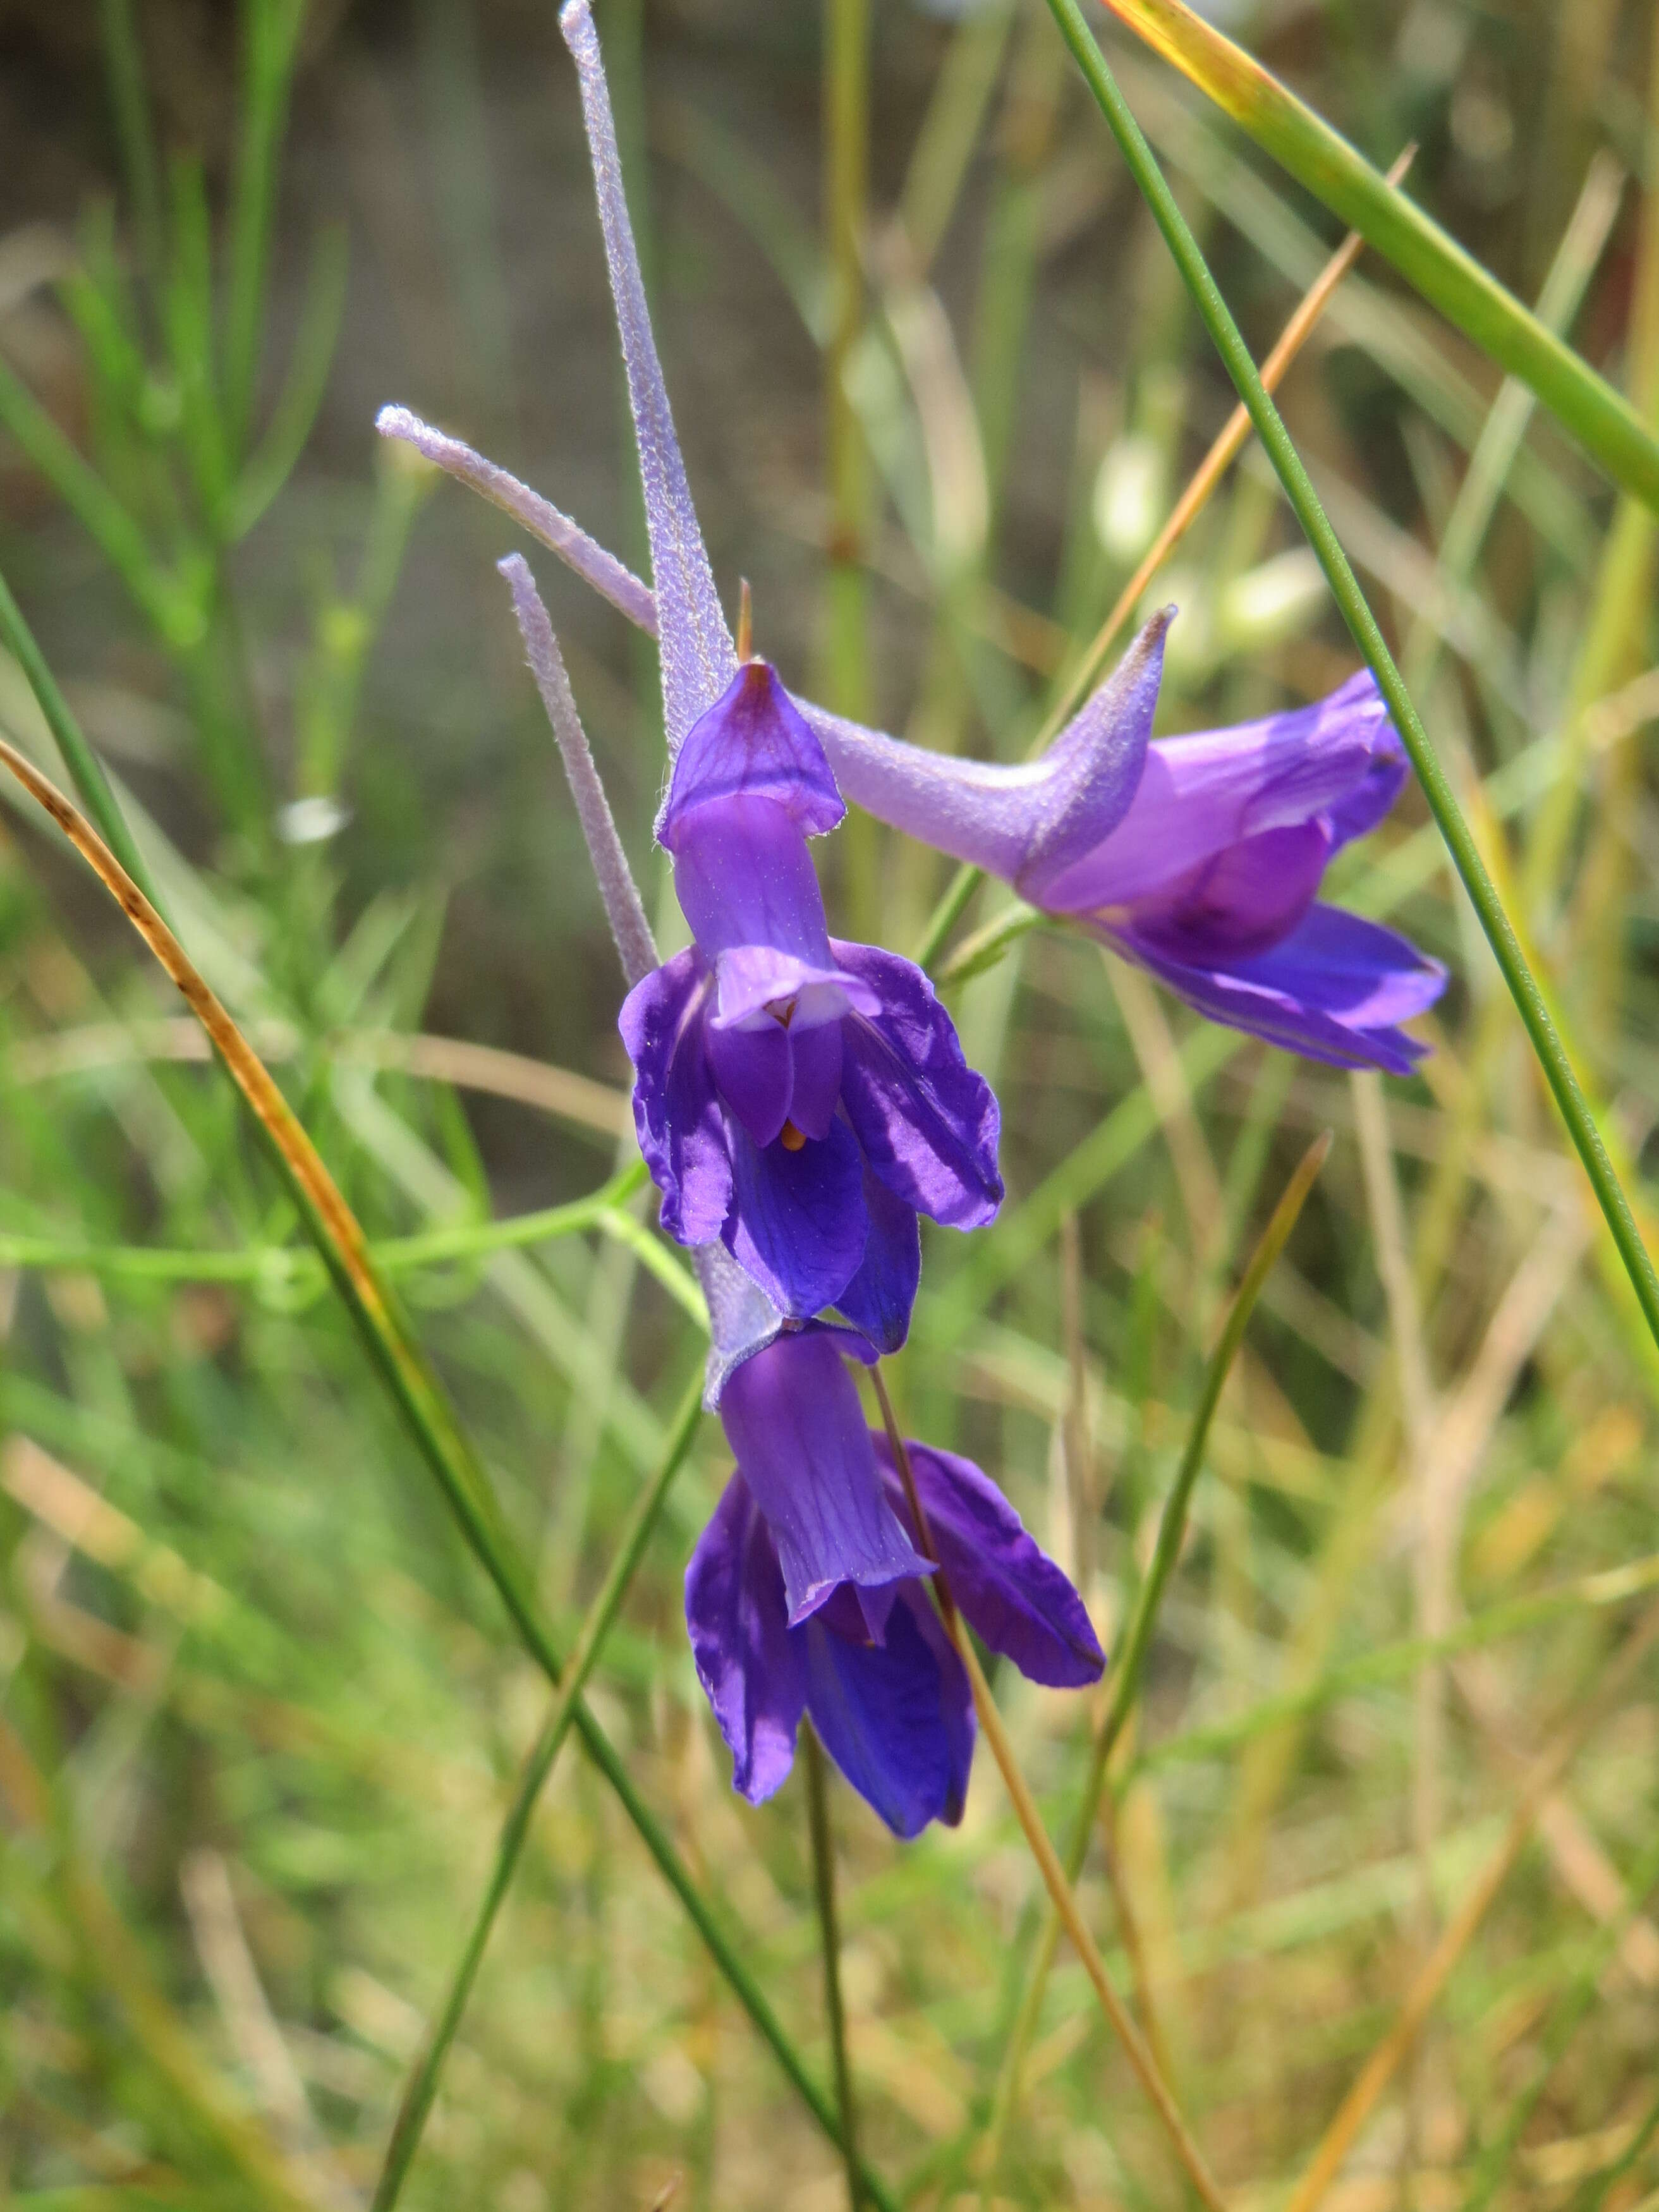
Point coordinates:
pixel 823 1886
pixel 1356 612
pixel 422 2086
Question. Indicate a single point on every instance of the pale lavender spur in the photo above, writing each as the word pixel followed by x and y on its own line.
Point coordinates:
pixel 805 1593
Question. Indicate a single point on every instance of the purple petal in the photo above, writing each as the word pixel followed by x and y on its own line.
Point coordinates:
pixel 879 1299
pixel 755 1072
pixel 1242 900
pixel 676 1111
pixel 816 1047
pixel 698 658
pixel 797 1223
pixel 793 1418
pixel 748 978
pixel 1012 1591
pixel 744 875
pixel 1200 794
pixel 927 1123
pixel 749 1663
pixel 1334 989
pixel 1359 811
pixel 897 1718
pixel 752 743
pixel 1036 815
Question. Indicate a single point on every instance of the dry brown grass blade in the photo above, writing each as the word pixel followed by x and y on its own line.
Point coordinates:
pixel 1384 2061
pixel 1135 2046
pixel 345 1248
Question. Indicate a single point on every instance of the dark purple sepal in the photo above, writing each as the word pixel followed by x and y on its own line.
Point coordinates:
pixel 797 1225
pixel 928 1125
pixel 752 743
pixel 792 1418
pixel 1336 989
pixel 750 1664
pixel 879 1299
pixel 753 1067
pixel 1014 1596
pixel 897 1718
pixel 677 1110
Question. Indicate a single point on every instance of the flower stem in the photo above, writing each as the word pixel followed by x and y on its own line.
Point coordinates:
pixel 1356 612
pixel 824 1884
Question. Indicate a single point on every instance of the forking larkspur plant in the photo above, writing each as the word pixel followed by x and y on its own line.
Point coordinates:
pixel 799 1100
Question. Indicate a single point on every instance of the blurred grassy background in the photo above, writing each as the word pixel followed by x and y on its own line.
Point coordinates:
pixel 259 1719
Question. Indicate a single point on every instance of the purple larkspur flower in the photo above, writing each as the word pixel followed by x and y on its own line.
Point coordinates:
pixel 1210 878
pixel 805 1593
pixel 801 1098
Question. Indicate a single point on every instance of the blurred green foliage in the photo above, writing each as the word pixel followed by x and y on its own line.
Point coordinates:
pixel 261 1718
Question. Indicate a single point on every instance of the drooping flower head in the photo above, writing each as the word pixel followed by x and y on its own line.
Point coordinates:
pixel 805 1593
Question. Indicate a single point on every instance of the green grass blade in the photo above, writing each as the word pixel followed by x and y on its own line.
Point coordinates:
pixel 1489 908
pixel 86 769
pixel 1450 278
pixel 270 43
pixel 177 617
pixel 272 461
pixel 134 126
pixel 423 2084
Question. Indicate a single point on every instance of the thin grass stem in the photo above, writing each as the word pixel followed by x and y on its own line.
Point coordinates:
pixel 1054 1878
pixel 86 769
pixel 1489 908
pixel 1137 1641
pixel 824 1890
pixel 124 58
pixel 423 2084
